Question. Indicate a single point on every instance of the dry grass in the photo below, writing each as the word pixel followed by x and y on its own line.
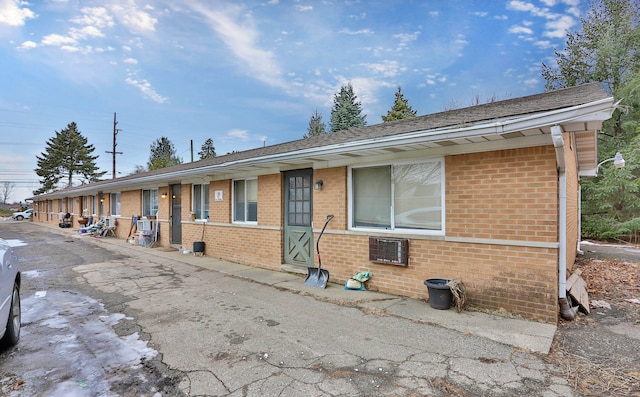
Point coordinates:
pixel 611 280
pixel 593 379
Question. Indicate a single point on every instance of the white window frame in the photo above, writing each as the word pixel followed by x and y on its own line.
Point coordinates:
pixel 114 204
pixel 152 197
pixel 203 212
pixel 246 206
pixel 431 232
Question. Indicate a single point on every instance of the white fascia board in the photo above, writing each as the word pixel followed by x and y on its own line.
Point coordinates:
pixel 598 110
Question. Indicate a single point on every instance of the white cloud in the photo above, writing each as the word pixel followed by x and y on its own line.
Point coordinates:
pixel 434 13
pixel 303 8
pixel 27 45
pixel 134 18
pixel 518 5
pixel 501 17
pixel 406 38
pixel 559 27
pixel 481 13
pixel 243 135
pixel 366 32
pixel 70 48
pixel 544 44
pixel 433 79
pixel 57 40
pixel 85 32
pixel 94 16
pixel 147 90
pixel 131 61
pixel 238 31
pixel 520 30
pixel 13 14
pixel 385 68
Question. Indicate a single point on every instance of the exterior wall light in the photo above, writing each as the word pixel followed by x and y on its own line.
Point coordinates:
pixel 163 195
pixel 318 185
pixel 618 161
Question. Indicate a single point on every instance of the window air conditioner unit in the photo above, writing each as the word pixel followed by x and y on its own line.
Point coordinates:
pixel 144 225
pixel 392 251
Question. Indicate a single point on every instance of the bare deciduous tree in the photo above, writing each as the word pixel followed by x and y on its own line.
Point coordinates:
pixel 5 191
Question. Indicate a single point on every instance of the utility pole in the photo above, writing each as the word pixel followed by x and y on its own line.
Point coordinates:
pixel 115 132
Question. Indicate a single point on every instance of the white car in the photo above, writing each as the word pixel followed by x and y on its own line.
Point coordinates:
pixel 9 296
pixel 22 215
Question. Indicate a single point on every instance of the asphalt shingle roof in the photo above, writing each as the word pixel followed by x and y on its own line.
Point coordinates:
pixel 548 101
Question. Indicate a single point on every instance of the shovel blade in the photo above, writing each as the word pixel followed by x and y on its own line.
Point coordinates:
pixel 317 277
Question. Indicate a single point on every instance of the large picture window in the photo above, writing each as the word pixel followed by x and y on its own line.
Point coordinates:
pixel 398 197
pixel 245 200
pixel 200 203
pixel 114 204
pixel 149 202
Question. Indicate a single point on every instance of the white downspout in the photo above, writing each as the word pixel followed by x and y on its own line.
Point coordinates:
pixel 558 142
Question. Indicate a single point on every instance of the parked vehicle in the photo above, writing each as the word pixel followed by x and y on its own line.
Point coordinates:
pixel 10 312
pixel 22 215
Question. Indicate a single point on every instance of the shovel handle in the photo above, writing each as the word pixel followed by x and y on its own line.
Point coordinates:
pixel 329 218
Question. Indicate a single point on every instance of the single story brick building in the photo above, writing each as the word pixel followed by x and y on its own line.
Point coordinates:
pixel 488 195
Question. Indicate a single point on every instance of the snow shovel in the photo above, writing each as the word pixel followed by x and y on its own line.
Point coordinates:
pixel 318 277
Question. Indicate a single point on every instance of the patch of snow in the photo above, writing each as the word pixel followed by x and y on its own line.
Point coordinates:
pixel 602 304
pixel 15 243
pixel 633 300
pixel 80 333
pixel 31 274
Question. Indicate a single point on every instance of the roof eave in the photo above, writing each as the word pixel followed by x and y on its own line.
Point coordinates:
pixel 593 111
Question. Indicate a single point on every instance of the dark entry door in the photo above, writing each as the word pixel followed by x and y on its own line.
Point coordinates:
pixel 298 233
pixel 176 214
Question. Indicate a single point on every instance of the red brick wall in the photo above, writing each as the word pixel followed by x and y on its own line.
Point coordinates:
pixel 510 195
pixel 507 195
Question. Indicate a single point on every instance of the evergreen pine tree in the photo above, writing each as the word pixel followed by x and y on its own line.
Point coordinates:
pixel 316 126
pixel 400 109
pixel 347 111
pixel 207 150
pixel 67 155
pixel 163 154
pixel 606 49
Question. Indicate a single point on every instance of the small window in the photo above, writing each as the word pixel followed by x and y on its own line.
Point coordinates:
pixel 149 202
pixel 200 204
pixel 114 204
pixel 245 200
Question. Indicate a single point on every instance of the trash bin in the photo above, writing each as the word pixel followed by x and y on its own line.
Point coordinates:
pixel 440 296
pixel 198 247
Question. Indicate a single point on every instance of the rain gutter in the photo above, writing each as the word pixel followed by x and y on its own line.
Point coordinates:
pixel 596 110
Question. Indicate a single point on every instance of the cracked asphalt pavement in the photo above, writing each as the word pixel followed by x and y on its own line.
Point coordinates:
pixel 206 333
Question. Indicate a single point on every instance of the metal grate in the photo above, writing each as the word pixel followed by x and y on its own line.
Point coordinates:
pixel 393 251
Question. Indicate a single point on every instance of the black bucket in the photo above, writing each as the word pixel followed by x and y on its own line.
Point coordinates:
pixel 440 296
pixel 198 247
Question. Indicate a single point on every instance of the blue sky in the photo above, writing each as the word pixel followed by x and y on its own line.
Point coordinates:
pixel 250 73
